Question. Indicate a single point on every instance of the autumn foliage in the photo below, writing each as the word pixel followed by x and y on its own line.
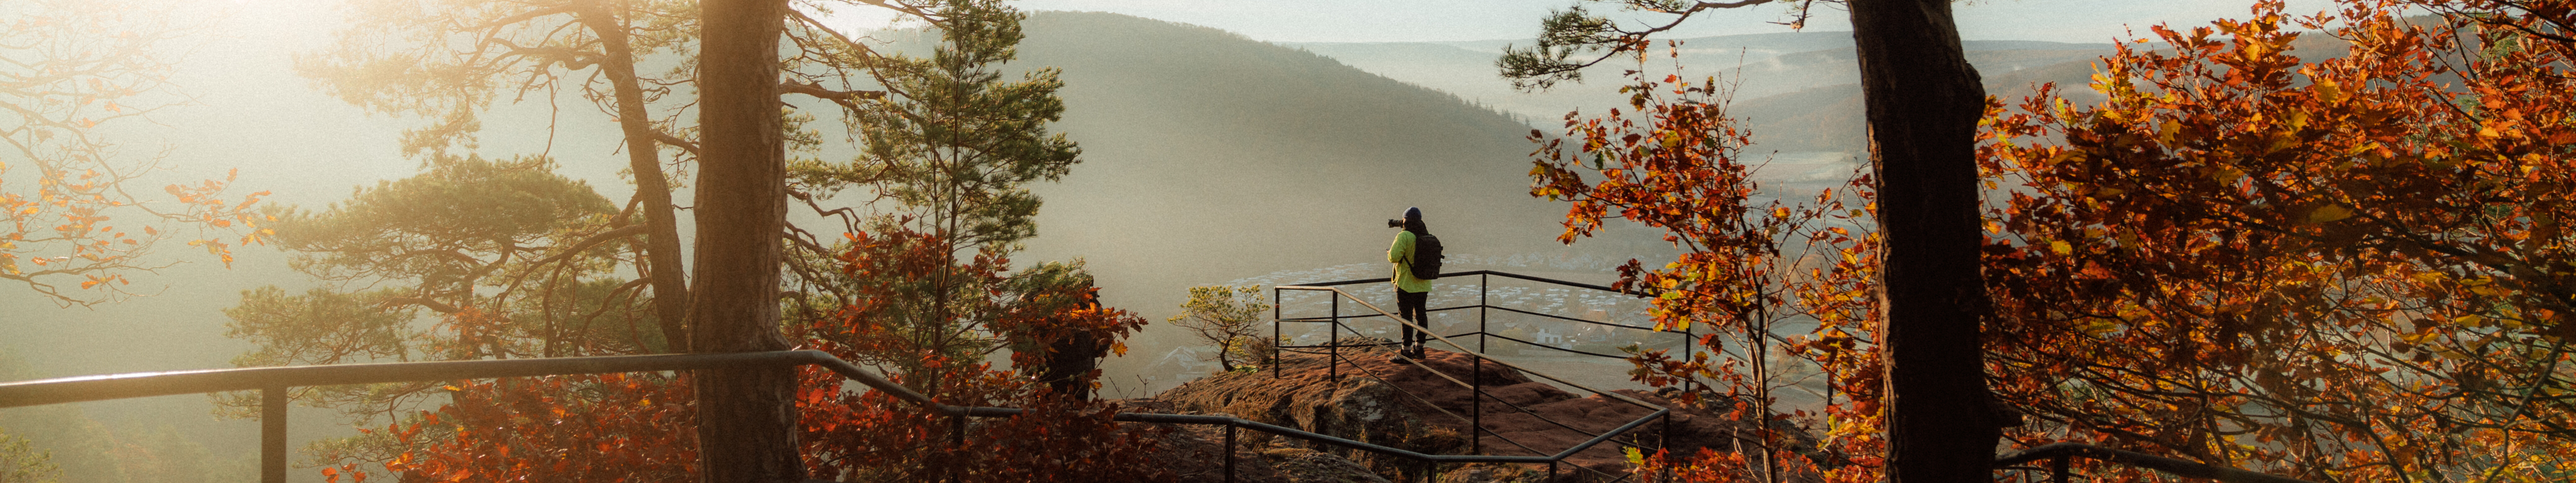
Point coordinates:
pixel 873 436
pixel 2336 254
pixel 2350 266
pixel 638 427
pixel 1752 262
pixel 604 427
pixel 78 208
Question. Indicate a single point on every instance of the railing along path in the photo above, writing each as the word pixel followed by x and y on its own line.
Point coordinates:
pixel 273 383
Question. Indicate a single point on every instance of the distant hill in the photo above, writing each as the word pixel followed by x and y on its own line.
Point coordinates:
pixel 1799 90
pixel 1211 157
pixel 1208 157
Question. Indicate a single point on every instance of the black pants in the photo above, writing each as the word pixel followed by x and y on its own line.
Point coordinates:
pixel 1413 306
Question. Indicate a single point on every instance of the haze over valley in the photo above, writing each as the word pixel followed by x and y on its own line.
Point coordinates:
pixel 1208 157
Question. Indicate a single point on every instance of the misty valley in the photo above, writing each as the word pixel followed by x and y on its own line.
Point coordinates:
pixel 1526 241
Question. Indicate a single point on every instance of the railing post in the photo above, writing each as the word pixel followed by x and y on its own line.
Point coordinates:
pixel 1664 444
pixel 1333 340
pixel 2057 469
pixel 1476 406
pixel 1274 333
pixel 957 440
pixel 1484 286
pixel 1229 452
pixel 272 434
pixel 1476 439
pixel 1687 339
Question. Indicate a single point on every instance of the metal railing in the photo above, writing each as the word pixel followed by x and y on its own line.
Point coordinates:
pixel 1334 356
pixel 1484 308
pixel 2058 454
pixel 273 382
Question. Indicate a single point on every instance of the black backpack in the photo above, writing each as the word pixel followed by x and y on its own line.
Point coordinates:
pixel 1426 256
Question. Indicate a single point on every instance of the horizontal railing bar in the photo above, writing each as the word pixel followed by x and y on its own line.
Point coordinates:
pixel 1587 321
pixel 1322 318
pixel 1606 435
pixel 1547 280
pixel 1372 344
pixel 1326 318
pixel 171 383
pixel 2177 467
pixel 1555 348
pixel 1355 282
pixel 1445 275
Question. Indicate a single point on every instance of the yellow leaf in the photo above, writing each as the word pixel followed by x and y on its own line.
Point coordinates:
pixel 2061 247
pixel 1781 212
pixel 2229 174
pixel 2329 213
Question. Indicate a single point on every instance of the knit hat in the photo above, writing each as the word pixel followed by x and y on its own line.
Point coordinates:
pixel 1413 214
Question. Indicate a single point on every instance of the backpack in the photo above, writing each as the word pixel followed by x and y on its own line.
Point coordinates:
pixel 1426 256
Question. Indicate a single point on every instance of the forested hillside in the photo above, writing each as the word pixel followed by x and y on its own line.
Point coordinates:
pixel 1210 157
pixel 1797 90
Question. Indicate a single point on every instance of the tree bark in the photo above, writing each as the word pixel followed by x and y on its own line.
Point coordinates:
pixel 1923 103
pixel 747 415
pixel 652 190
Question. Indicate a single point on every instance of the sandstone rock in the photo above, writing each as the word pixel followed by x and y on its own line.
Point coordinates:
pixel 1403 405
pixel 1309 466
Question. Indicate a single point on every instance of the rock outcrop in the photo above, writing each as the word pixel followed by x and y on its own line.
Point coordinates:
pixel 1372 398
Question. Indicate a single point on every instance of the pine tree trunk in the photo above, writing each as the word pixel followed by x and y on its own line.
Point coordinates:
pixel 1923 104
pixel 747 416
pixel 652 190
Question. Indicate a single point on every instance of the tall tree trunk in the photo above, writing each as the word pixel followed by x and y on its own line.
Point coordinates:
pixel 1923 104
pixel 747 416
pixel 652 191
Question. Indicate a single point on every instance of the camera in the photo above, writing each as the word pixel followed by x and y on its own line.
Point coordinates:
pixel 1394 223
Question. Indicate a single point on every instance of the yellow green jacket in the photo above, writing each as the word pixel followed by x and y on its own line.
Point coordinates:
pixel 1402 255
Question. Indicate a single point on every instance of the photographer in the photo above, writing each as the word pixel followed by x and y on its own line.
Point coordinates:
pixel 1416 255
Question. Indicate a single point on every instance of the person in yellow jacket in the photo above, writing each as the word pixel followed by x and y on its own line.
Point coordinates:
pixel 1412 295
